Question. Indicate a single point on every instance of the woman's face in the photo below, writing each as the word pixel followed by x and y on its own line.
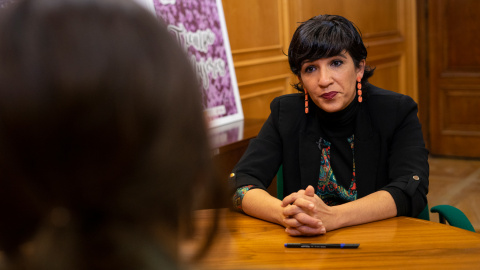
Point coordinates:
pixel 330 82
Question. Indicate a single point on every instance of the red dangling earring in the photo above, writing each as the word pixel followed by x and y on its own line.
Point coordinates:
pixel 359 89
pixel 306 102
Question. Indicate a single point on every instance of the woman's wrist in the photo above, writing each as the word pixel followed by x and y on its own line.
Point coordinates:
pixel 336 218
pixel 259 203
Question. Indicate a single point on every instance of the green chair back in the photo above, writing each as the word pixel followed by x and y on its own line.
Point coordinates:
pixel 453 216
pixel 425 214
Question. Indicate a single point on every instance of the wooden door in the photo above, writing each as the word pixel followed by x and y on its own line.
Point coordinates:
pixel 454 70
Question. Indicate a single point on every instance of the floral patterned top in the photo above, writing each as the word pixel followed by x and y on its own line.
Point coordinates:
pixel 327 188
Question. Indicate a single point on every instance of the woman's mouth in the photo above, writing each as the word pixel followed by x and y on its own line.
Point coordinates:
pixel 329 95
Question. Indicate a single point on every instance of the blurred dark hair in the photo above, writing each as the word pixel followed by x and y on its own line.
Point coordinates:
pixel 325 36
pixel 102 134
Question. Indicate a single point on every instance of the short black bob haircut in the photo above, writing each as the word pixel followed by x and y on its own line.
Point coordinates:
pixel 325 36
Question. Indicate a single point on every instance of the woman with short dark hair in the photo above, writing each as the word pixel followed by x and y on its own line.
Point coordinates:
pixel 350 152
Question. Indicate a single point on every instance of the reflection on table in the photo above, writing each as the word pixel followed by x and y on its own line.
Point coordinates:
pixel 244 242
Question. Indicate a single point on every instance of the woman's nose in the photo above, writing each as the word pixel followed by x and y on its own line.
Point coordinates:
pixel 324 77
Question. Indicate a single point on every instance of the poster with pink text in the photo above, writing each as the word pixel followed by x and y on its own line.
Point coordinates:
pixel 199 27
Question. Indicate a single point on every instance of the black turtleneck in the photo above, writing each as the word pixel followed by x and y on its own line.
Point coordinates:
pixel 336 128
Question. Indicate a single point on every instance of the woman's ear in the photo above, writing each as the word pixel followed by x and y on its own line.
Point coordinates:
pixel 361 68
pixel 300 79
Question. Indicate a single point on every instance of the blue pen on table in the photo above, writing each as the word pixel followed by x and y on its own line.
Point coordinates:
pixel 317 245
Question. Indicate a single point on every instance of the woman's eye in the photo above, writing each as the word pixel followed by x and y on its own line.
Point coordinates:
pixel 337 63
pixel 309 69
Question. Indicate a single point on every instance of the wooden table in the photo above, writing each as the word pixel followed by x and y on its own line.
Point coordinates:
pixel 244 242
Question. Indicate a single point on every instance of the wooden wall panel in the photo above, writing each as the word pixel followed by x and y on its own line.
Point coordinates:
pixel 256 24
pixel 386 75
pixel 256 35
pixel 260 32
pixel 372 16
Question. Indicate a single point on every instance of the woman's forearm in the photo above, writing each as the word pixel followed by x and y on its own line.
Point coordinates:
pixel 376 206
pixel 260 204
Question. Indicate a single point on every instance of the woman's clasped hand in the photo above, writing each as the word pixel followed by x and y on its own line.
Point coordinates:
pixel 305 213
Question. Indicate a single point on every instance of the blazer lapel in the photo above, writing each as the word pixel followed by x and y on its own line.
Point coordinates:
pixel 367 153
pixel 310 154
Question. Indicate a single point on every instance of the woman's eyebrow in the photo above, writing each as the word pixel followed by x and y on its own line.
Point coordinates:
pixel 306 62
pixel 342 54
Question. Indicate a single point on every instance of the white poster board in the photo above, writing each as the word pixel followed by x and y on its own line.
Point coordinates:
pixel 199 26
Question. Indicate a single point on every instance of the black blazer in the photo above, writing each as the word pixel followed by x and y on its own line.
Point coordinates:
pixel 390 152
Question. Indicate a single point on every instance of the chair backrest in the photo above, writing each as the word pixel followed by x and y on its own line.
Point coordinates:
pixel 453 216
pixel 425 214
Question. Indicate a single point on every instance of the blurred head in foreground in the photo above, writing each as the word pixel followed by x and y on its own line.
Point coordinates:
pixel 103 146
